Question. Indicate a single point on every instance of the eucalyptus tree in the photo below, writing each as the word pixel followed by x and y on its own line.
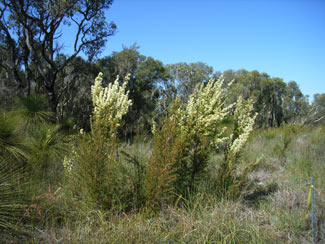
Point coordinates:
pixel 187 76
pixel 295 104
pixel 318 107
pixel 75 106
pixel 275 101
pixel 32 35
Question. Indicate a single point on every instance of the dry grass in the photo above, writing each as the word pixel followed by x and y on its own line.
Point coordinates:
pixel 222 222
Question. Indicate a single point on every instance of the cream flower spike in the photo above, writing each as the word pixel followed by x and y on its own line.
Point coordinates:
pixel 110 103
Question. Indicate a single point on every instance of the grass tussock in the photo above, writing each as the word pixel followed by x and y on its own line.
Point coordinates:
pixel 213 222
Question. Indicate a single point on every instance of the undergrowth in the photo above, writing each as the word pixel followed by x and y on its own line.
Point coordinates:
pixel 271 210
pixel 107 191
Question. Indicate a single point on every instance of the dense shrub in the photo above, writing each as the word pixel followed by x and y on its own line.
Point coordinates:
pixel 183 144
pixel 94 173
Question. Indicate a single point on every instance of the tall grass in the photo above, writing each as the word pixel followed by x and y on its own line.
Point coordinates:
pixel 13 197
pixel 208 221
pixel 30 151
pixel 11 142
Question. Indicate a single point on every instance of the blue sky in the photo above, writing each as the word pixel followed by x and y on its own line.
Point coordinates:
pixel 284 38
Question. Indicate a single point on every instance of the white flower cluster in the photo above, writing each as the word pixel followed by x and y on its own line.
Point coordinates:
pixel 67 164
pixel 154 127
pixel 245 122
pixel 110 103
pixel 205 111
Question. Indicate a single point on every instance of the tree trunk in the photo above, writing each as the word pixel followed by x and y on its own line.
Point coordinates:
pixel 52 99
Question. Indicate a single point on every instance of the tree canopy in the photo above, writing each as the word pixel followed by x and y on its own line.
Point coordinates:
pixel 275 101
pixel 31 39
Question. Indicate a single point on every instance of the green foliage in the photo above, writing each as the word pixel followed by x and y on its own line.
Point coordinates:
pixel 15 190
pixel 209 221
pixel 274 101
pixel 33 111
pixel 295 106
pixel 68 125
pixel 202 158
pixel 271 212
pixel 168 150
pixel 188 76
pixel 94 175
pixel 287 133
pixel 11 208
pixel 135 172
pixel 105 194
pixel 318 109
pixel 27 138
pixel 46 149
pixel 11 146
pixel 75 99
pixel 229 181
pixel 97 179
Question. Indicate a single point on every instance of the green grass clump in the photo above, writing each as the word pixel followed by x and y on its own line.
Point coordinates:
pixel 16 206
pixel 207 221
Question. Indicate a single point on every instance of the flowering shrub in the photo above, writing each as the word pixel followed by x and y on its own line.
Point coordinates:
pixel 110 104
pixel 94 174
pixel 189 135
pixel 229 182
pixel 244 122
pixel 202 130
pixel 205 112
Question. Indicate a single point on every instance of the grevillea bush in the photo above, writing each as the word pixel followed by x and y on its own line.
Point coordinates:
pixel 94 174
pixel 230 179
pixel 110 104
pixel 187 138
